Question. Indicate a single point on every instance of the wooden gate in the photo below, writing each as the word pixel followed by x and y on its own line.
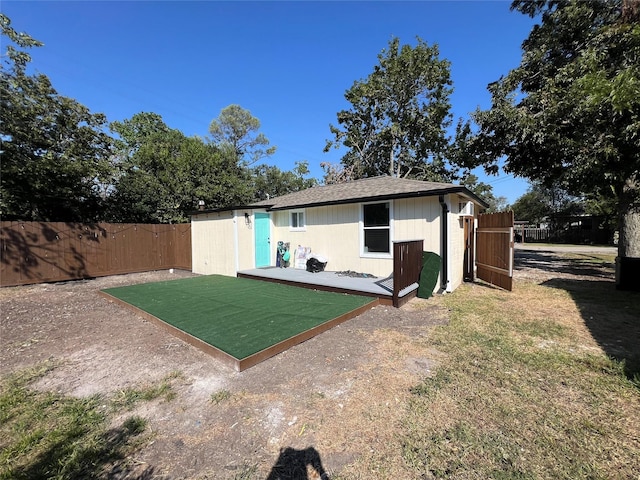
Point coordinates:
pixel 494 249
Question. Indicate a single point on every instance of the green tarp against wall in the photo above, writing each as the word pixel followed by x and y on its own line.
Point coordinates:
pixel 429 274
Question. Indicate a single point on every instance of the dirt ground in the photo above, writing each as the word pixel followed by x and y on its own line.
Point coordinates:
pixel 320 403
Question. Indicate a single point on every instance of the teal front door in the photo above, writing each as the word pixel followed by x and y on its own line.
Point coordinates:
pixel 262 230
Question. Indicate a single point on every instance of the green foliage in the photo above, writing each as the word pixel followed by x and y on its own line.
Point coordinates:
pixel 18 57
pixel 398 116
pixel 542 203
pixel 530 207
pixel 54 152
pixel 238 129
pixel 569 115
pixel 59 164
pixel 603 207
pixel 270 181
pixel 163 174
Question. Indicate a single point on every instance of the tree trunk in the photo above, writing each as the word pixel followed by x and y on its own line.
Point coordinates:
pixel 628 261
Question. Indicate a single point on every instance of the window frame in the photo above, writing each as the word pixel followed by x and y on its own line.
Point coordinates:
pixel 298 212
pixel 389 228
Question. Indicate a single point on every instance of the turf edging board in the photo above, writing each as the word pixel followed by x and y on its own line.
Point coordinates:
pixel 239 321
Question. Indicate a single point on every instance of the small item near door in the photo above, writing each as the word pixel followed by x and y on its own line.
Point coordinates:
pixel 283 255
pixel 301 255
pixel 316 264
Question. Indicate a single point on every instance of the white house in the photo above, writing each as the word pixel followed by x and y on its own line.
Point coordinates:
pixel 352 225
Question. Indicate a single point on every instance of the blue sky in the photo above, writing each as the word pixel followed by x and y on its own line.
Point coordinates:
pixel 289 63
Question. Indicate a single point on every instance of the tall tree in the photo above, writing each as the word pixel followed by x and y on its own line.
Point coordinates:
pixel 337 173
pixel 399 115
pixel 164 174
pixel 542 203
pixel 569 115
pixel 237 128
pixel 54 150
pixel 270 181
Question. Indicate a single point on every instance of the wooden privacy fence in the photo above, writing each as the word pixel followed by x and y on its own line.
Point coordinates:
pixel 34 252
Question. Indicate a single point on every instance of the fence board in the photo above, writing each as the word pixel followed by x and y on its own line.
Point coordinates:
pixel 34 252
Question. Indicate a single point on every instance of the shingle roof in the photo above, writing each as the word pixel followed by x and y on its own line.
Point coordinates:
pixel 367 189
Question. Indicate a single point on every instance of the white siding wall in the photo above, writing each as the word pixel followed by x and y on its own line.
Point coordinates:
pixel 246 240
pixel 212 244
pixel 224 243
pixel 420 219
pixel 330 231
pixel 334 232
pixel 456 244
pixel 416 219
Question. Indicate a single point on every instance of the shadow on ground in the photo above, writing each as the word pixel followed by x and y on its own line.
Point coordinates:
pixel 294 464
pixel 584 265
pixel 104 458
pixel 612 316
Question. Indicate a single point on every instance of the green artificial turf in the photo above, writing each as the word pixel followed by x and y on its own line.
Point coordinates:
pixel 236 315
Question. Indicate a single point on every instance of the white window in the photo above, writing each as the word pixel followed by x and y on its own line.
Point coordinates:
pixel 376 229
pixel 465 208
pixel 296 221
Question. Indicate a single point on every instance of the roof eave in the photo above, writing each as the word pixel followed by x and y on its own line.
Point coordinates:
pixel 459 189
pixel 395 196
pixel 474 197
pixel 228 209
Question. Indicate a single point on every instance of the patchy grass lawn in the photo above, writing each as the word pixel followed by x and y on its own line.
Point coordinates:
pixel 543 382
pixel 46 435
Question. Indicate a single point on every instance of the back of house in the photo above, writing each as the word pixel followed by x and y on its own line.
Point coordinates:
pixel 352 226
